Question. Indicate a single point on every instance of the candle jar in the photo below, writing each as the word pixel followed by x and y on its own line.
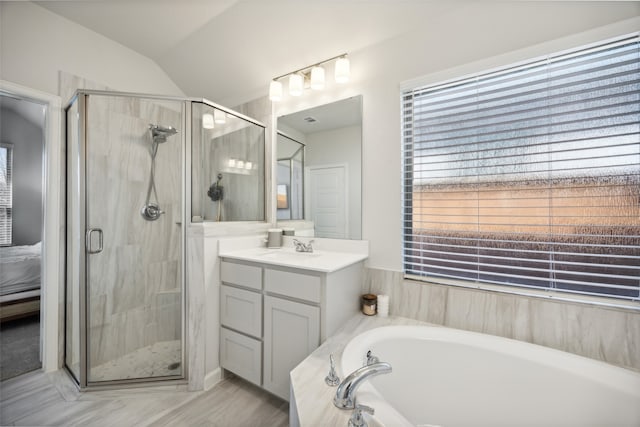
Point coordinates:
pixel 369 302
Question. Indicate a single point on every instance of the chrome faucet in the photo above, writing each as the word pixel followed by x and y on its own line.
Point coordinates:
pixel 302 247
pixel 346 393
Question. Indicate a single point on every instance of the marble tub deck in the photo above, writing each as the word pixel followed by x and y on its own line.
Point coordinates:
pixel 39 399
pixel 313 398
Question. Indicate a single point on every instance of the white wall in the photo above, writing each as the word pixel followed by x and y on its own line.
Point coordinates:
pixel 479 36
pixel 35 44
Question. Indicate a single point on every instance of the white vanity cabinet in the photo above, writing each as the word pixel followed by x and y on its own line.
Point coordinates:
pixel 281 313
pixel 241 319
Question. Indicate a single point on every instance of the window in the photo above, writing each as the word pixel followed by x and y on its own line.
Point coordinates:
pixel 6 193
pixel 528 176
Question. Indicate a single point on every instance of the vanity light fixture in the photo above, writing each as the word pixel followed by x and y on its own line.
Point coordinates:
pixel 342 70
pixel 220 116
pixel 275 91
pixel 296 84
pixel 207 121
pixel 317 78
pixel 313 75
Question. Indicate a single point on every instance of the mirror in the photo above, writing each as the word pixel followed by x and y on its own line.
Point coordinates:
pixel 319 169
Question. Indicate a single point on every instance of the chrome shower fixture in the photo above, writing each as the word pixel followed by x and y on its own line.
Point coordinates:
pixel 151 209
pixel 159 133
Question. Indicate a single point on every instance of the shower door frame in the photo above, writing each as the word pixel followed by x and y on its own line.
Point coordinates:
pixel 82 382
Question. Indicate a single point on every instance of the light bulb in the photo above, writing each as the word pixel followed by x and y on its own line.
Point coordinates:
pixel 220 116
pixel 275 91
pixel 342 70
pixel 231 163
pixel 240 164
pixel 317 78
pixel 296 82
pixel 207 121
pixel 248 165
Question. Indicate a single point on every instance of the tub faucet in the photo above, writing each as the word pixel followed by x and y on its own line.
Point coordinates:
pixel 346 394
pixel 302 247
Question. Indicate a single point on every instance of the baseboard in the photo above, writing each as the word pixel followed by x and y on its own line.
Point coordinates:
pixel 212 378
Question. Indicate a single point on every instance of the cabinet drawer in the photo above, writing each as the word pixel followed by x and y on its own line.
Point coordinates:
pixel 241 310
pixel 294 285
pixel 241 274
pixel 241 355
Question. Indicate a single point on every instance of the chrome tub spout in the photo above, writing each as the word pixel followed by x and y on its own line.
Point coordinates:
pixel 345 394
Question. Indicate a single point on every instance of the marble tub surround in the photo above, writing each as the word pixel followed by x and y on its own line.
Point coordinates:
pixel 603 333
pixel 311 402
pixel 328 255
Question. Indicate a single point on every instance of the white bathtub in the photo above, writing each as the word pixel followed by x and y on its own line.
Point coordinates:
pixel 447 377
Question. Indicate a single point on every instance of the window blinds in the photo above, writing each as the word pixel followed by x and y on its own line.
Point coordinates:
pixel 529 176
pixel 6 193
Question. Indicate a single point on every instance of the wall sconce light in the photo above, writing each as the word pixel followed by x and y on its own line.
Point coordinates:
pixel 207 121
pixel 314 75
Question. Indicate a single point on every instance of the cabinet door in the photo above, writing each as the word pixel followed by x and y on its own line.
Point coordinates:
pixel 291 333
pixel 240 355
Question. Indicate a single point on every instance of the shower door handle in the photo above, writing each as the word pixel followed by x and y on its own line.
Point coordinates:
pixel 88 243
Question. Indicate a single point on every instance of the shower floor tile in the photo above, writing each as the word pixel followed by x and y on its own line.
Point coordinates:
pixel 158 360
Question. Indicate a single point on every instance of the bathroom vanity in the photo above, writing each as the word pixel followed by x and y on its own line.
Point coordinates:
pixel 277 306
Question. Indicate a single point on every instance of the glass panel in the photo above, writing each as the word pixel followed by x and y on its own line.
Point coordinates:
pixel 227 182
pixel 134 267
pixel 74 245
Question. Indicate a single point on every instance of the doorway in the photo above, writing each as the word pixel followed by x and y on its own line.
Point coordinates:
pixel 22 142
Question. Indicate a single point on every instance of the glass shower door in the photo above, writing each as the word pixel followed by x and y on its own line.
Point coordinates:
pixel 133 238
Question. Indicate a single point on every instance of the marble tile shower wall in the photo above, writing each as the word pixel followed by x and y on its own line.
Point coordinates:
pixel 608 334
pixel 135 291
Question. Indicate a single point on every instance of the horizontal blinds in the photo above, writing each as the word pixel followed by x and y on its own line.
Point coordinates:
pixel 529 176
pixel 6 193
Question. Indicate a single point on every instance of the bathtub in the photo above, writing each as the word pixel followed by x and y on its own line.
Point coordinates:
pixel 448 377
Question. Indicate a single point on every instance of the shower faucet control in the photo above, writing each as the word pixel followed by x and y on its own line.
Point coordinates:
pixel 151 212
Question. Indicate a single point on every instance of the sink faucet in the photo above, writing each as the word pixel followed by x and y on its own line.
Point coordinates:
pixel 345 395
pixel 302 247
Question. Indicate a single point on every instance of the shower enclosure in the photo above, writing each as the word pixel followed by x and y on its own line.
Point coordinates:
pixel 128 189
pixel 290 177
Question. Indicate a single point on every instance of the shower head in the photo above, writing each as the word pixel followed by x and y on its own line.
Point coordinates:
pixel 160 133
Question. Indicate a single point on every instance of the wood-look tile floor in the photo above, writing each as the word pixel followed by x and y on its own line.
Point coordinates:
pixel 38 399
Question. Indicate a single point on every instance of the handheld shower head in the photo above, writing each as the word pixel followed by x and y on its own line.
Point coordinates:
pixel 160 133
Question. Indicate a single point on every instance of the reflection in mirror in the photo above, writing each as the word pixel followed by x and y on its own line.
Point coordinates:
pixel 290 178
pixel 329 140
pixel 227 177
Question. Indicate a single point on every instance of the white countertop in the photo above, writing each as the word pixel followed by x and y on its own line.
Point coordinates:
pixel 326 257
pixel 314 398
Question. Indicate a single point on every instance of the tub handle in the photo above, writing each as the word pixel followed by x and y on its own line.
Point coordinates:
pixel 371 359
pixel 332 378
pixel 357 419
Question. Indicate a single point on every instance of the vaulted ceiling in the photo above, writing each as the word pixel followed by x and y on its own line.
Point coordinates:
pixel 230 49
